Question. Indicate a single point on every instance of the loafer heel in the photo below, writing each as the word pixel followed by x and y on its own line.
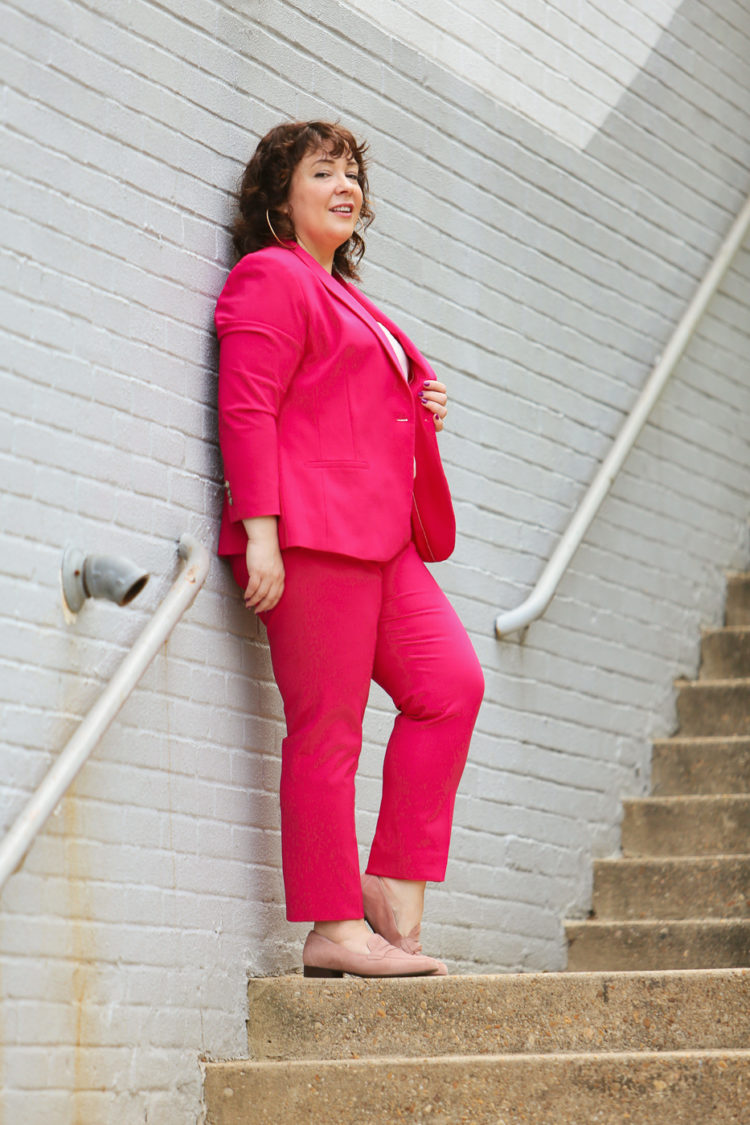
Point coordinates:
pixel 314 971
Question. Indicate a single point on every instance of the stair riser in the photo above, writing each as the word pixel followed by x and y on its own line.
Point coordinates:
pixel 713 709
pixel 294 1019
pixel 625 889
pixel 622 946
pixel 648 1090
pixel 715 826
pixel 715 889
pixel 681 768
pixel 738 602
pixel 725 655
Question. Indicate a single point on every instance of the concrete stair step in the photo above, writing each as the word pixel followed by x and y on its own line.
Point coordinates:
pixel 696 943
pixel 682 766
pixel 713 707
pixel 725 653
pixel 688 826
pixel 294 1018
pixel 647 1088
pixel 666 888
pixel 738 600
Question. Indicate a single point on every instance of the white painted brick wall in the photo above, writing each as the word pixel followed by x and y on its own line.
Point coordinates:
pixel 539 239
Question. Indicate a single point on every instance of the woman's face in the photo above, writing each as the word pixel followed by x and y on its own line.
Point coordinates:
pixel 324 202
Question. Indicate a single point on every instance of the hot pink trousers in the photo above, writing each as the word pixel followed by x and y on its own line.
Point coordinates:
pixel 340 623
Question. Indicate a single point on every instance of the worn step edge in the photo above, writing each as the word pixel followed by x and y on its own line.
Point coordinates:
pixel 690 800
pixel 642 1088
pixel 728 683
pixel 699 739
pixel 290 1017
pixel 703 739
pixel 694 943
pixel 670 888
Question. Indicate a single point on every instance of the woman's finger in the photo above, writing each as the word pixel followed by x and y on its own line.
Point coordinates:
pixel 256 589
pixel 437 408
pixel 264 592
pixel 269 601
pixel 434 397
pixel 259 596
pixel 251 590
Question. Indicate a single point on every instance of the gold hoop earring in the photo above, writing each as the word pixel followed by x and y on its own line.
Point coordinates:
pixel 273 232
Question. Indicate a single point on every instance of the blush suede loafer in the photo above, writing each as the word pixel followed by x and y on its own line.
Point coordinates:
pixel 322 957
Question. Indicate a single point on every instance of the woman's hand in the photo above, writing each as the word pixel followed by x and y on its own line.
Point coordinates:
pixel 265 565
pixel 433 395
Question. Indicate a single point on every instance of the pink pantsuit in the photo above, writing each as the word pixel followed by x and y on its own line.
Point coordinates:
pixel 317 425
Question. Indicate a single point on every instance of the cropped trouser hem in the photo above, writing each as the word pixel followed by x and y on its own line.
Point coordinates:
pixel 341 623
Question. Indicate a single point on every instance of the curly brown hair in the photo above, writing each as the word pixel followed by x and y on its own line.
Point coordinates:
pixel 265 187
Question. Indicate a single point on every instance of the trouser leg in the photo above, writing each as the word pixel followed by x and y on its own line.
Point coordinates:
pixel 322 640
pixel 426 662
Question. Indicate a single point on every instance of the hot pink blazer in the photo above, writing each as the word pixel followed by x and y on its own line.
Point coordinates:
pixel 317 423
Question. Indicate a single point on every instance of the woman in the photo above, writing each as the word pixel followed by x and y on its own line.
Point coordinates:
pixel 327 420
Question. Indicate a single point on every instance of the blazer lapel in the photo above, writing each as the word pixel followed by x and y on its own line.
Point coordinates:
pixel 362 307
pixel 412 351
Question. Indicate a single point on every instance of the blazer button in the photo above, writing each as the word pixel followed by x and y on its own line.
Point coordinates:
pixel 228 492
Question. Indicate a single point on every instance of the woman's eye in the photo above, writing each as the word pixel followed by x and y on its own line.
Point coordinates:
pixel 352 175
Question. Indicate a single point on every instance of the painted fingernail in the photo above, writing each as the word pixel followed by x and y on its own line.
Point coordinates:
pixel 423 398
pixel 426 383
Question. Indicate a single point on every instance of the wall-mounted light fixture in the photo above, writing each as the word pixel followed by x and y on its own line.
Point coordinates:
pixel 99 576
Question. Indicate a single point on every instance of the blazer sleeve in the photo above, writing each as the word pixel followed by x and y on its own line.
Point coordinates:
pixel 261 323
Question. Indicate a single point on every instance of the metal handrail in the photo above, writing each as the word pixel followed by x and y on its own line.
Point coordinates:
pixel 78 749
pixel 542 594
